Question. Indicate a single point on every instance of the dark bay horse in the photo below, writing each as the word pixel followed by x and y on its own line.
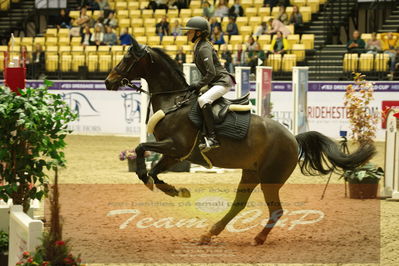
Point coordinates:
pixel 268 155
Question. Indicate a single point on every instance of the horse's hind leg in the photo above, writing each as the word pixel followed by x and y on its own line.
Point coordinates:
pixel 249 181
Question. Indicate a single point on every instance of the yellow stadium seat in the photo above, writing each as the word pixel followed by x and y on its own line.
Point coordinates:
pixel 258 3
pixel 27 41
pixel 111 5
pixel 77 50
pixel 292 39
pixel 159 13
pixel 173 13
pixel 314 5
pixel 381 62
pixel 366 37
pixel 122 13
pixel 137 22
pixel 135 14
pixel 246 3
pixel 141 39
pixel 274 60
pixel 267 47
pixel 91 49
pixel 132 5
pixel 92 62
pixel 51 41
pixel 77 61
pixel 266 18
pixel 189 58
pixel 298 3
pixel 76 41
pixel 120 5
pixel 181 40
pixel 143 5
pixel 63 33
pixel 138 31
pixel 64 41
pixel 74 14
pixel 3 48
pixel 350 62
pixel 264 39
pixel 39 40
pixel 52 63
pixel 124 23
pixel 103 49
pixel 1 61
pixel 254 21
pixel 116 59
pixel 153 40
pixel 51 32
pixel 105 63
pixel 51 49
pixel 250 12
pixel 89 13
pixel 264 11
pixel 245 30
pixel 64 50
pixel 171 49
pixel 168 40
pixel 196 4
pixel 236 39
pixel 306 13
pixel 149 22
pixel 198 12
pixel 289 61
pixel 147 13
pixel 366 62
pixel 117 49
pixel 275 12
pixel 96 14
pixel 291 28
pixel 299 51
pixel 242 21
pixel 66 62
pixel 185 13
pixel 150 31
pixel 308 41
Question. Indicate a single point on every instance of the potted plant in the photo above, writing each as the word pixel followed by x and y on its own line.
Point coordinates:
pixel 33 127
pixel 3 248
pixel 363 181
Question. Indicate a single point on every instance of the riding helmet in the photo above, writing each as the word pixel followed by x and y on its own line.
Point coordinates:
pixel 198 23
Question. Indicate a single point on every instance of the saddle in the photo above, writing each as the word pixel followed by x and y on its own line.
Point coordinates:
pixel 232 117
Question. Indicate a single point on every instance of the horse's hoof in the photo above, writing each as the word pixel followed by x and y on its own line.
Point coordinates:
pixel 150 183
pixel 184 193
pixel 205 239
pixel 257 241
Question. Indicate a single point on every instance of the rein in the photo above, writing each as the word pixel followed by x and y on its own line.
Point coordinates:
pixel 126 82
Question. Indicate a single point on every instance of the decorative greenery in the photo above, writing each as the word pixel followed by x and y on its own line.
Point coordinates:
pixel 53 251
pixel 33 126
pixel 367 174
pixel 357 101
pixel 3 242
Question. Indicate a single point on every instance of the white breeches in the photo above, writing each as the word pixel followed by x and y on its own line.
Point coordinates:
pixel 212 95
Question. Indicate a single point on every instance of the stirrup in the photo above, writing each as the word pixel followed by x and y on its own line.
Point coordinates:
pixel 209 144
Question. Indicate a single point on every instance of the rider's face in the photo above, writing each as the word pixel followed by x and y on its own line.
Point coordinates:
pixel 190 35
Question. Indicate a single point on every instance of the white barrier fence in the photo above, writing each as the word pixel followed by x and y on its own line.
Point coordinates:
pixel 390 187
pixel 25 234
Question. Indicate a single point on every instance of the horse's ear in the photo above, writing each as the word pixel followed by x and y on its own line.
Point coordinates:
pixel 136 48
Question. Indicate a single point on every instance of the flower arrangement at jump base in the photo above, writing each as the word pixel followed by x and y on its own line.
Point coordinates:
pixel 363 181
pixel 131 156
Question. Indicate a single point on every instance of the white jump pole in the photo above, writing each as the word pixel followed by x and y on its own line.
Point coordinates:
pixel 300 78
pixel 391 178
pixel 263 90
pixel 143 111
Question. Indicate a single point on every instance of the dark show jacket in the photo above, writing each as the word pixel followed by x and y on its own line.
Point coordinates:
pixel 213 73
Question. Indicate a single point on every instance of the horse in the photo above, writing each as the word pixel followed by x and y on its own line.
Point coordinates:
pixel 270 151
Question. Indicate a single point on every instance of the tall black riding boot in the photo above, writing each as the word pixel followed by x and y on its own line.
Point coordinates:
pixel 210 139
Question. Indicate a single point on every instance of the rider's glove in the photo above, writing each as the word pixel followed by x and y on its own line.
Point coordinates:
pixel 194 87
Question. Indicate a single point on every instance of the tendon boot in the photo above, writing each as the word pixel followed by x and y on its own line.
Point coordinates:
pixel 210 141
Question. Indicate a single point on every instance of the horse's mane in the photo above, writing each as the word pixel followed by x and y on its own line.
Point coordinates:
pixel 172 63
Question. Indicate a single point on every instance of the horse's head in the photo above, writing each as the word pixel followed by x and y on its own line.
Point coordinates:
pixel 132 66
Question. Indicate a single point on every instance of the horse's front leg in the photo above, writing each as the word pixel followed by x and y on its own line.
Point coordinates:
pixel 164 164
pixel 164 146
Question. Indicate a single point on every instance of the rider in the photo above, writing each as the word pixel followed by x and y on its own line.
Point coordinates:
pixel 213 73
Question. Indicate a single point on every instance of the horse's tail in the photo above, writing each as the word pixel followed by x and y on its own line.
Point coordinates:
pixel 320 155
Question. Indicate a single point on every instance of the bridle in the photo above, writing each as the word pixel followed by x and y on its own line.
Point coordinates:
pixel 125 82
